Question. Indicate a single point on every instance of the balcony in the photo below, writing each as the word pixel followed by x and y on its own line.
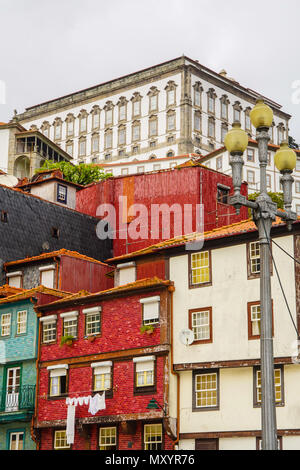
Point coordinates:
pixel 17 399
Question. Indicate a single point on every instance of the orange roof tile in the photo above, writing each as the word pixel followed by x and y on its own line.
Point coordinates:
pixel 142 283
pixel 26 294
pixel 52 254
pixel 221 232
pixel 7 290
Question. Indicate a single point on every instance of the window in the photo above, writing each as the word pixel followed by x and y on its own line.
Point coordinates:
pixel 254 258
pixel 269 158
pixel 197 121
pixel 254 321
pixel 156 167
pixel 49 328
pixel 122 135
pixel 247 120
pixel 170 154
pixel 150 308
pixel 237 111
pixel 205 385
pixel 82 148
pixel 153 437
pixel 109 116
pixel 70 125
pixel 254 317
pixel 70 324
pixel 250 155
pixel 69 148
pixel 5 324
pixel 250 177
pixel 224 130
pixel 58 380
pixel 83 122
pixel 197 98
pixel 219 163
pixel 171 121
pixel 57 129
pixel 222 194
pixel 122 112
pixel 95 143
pixel 47 276
pixel 170 139
pixel 144 373
pixel 92 320
pixel 200 269
pixel 171 97
pixel 96 118
pixel 298 164
pixel 297 186
pixel 62 193
pixel 102 377
pixel 280 134
pixel 152 144
pixel 153 99
pixel 271 133
pixel 21 322
pixel 135 150
pixel 140 169
pixel 136 131
pixel 108 438
pixel 136 104
pixel 60 440
pixel 278 379
pixel 268 177
pixel 153 126
pixel 16 441
pixel 211 128
pixel 200 322
pixel 211 101
pixel 15 279
pixel 224 107
pixel 108 139
pixel 298 209
pixel 124 171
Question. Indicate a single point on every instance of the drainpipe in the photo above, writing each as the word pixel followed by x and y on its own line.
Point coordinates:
pixel 33 435
pixel 177 375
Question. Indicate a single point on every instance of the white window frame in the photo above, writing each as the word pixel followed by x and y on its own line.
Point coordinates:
pixel 155 303
pixel 5 325
pixel 21 323
pixel 50 322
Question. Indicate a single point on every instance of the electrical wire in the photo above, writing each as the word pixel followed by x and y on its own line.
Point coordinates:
pixel 279 280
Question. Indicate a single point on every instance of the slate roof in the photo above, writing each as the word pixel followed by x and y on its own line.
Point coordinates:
pixel 28 230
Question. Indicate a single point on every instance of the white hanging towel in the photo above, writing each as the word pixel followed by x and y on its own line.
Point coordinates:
pixel 71 424
pixel 97 402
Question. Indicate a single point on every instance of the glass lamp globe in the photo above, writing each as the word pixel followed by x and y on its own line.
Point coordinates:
pixel 285 158
pixel 261 115
pixel 236 140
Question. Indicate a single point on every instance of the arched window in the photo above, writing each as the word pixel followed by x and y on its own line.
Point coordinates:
pixel 22 167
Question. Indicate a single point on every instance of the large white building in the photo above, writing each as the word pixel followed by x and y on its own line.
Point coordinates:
pixel 217 297
pixel 174 108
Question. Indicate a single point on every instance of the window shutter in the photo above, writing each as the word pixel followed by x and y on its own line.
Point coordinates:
pixel 144 366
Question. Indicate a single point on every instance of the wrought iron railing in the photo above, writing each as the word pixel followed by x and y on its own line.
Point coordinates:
pixel 17 398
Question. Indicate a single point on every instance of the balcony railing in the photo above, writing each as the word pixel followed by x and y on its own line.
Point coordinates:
pixel 17 399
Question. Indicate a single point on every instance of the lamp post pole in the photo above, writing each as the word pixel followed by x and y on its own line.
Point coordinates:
pixel 264 212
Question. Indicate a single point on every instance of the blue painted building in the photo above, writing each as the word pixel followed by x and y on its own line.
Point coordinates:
pixel 18 355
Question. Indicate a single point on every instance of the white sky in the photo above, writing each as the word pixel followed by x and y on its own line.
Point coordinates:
pixel 52 48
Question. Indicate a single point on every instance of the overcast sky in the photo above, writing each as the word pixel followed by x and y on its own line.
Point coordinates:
pixel 52 48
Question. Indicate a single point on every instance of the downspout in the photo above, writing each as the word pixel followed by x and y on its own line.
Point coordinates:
pixel 172 289
pixel 33 435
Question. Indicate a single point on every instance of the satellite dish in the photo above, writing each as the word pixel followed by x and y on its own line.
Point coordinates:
pixel 8 180
pixel 186 337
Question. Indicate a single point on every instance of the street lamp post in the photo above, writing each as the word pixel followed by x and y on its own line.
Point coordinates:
pixel 264 212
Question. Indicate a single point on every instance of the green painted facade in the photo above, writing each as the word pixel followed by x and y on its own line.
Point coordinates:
pixel 18 353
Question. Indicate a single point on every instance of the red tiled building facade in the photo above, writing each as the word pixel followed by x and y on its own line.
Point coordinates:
pixel 110 352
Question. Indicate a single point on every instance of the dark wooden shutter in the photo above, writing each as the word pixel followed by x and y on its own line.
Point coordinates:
pixel 206 444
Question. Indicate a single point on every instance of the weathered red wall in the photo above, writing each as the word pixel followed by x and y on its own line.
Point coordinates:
pixel 187 185
pixel 79 274
pixel 121 319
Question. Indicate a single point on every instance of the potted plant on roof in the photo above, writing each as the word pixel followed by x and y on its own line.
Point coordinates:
pixel 147 329
pixel 67 339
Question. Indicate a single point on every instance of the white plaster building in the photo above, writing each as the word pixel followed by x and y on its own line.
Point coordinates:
pixel 173 108
pixel 217 292
pixel 219 160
